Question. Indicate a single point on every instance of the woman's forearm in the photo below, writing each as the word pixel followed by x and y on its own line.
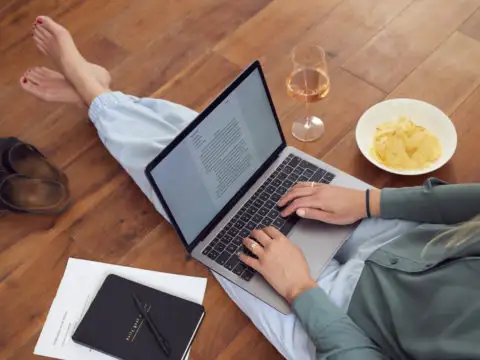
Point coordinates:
pixel 434 202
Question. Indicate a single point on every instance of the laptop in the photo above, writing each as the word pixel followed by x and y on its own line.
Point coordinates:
pixel 223 175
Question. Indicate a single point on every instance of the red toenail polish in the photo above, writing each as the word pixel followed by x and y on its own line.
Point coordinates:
pixel 24 80
pixel 40 21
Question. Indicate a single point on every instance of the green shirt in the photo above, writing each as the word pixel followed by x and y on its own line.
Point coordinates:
pixel 405 305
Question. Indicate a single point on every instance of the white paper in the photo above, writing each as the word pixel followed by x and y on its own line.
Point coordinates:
pixel 80 284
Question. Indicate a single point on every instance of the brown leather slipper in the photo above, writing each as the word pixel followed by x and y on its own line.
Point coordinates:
pixel 24 159
pixel 21 194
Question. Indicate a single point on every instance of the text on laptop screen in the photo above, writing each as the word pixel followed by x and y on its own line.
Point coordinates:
pixel 207 168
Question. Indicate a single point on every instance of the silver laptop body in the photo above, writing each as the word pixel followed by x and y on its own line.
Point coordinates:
pixel 202 196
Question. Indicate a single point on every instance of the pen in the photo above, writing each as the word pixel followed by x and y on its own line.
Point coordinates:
pixel 162 342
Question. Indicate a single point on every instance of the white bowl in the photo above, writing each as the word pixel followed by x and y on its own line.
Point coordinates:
pixel 421 113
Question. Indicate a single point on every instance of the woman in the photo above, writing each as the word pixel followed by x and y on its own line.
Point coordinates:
pixel 396 290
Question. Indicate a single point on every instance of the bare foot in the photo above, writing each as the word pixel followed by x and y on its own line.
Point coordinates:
pixel 56 42
pixel 51 86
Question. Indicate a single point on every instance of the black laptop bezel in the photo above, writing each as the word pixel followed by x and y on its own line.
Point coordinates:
pixel 221 214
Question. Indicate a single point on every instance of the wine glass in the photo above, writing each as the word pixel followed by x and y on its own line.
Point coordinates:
pixel 309 82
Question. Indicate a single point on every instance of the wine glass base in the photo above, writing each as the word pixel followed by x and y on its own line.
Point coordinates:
pixel 307 129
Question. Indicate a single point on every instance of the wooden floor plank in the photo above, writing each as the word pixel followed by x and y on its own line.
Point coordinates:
pixel 447 77
pixel 218 331
pixel 282 22
pixel 408 40
pixel 161 240
pixel 94 234
pixel 245 344
pixel 156 68
pixel 465 119
pixel 471 27
pixel 177 17
pixel 17 19
pixel 181 46
pixel 101 169
pixel 212 71
pixel 24 351
pixel 63 135
pixel 27 285
pixel 351 25
pixel 142 29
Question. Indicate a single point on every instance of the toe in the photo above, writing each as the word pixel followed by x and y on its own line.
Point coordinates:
pixel 35 89
pixel 23 81
pixel 41 46
pixel 50 25
pixel 30 87
pixel 34 76
pixel 36 71
pixel 38 40
pixel 42 33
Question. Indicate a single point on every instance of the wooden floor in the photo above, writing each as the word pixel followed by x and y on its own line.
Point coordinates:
pixel 187 51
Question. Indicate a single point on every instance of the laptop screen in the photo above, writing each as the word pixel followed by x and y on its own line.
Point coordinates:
pixel 203 172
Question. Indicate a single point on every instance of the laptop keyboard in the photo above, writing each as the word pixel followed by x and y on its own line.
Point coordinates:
pixel 262 211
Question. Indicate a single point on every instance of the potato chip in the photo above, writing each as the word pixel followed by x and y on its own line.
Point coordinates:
pixel 403 145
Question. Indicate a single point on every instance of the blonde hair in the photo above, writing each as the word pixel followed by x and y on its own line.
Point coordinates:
pixel 458 235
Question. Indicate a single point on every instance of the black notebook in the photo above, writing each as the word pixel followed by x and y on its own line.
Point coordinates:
pixel 114 326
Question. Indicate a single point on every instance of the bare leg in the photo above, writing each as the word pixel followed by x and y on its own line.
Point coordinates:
pixel 51 86
pixel 56 42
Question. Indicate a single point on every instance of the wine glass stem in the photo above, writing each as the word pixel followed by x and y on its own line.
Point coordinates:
pixel 308 120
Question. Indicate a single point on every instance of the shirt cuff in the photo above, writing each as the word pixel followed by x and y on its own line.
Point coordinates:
pixel 315 310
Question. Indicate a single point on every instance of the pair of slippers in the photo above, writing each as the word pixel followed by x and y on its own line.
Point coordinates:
pixel 29 183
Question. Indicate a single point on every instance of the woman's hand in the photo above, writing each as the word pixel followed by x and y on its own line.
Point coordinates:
pixel 329 203
pixel 280 262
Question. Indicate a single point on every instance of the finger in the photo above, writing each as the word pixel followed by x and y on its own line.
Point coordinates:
pixel 254 247
pixel 304 202
pixel 261 236
pixel 315 214
pixel 296 193
pixel 309 184
pixel 248 260
pixel 273 233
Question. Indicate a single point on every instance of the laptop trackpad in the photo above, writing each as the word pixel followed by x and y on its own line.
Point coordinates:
pixel 319 242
